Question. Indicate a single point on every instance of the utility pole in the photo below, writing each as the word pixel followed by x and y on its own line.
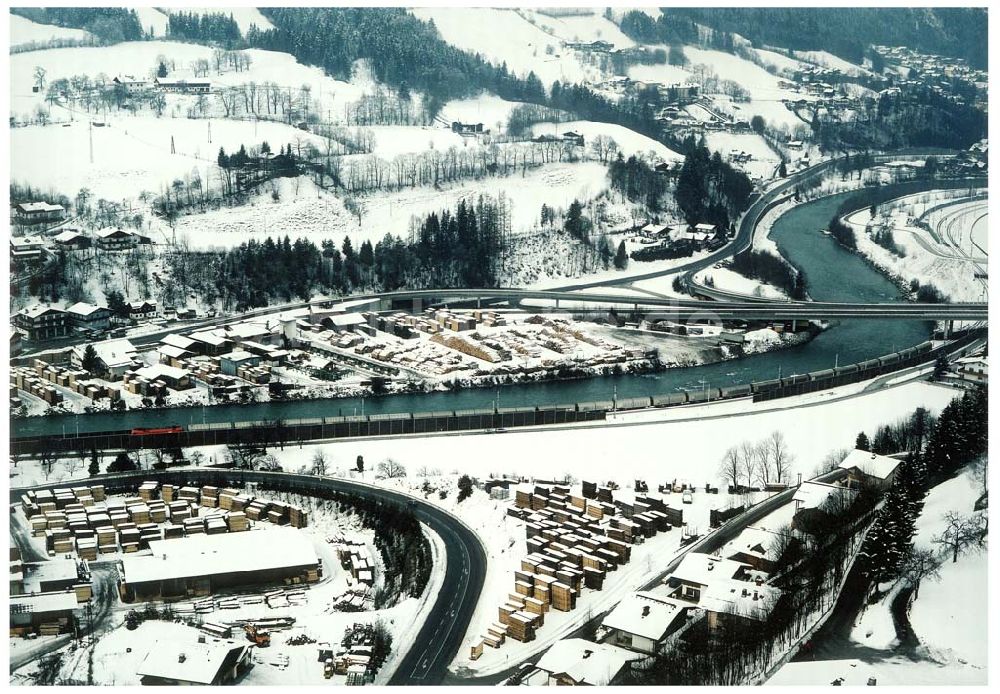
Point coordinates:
pixel 91 137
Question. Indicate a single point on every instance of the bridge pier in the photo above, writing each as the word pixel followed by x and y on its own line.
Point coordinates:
pixel 949 327
pixel 794 324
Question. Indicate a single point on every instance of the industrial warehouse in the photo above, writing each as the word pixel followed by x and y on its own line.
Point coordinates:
pixel 201 564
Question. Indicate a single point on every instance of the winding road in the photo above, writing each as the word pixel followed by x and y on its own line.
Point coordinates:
pixel 447 620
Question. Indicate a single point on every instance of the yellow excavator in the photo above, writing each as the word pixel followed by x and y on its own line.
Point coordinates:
pixel 260 638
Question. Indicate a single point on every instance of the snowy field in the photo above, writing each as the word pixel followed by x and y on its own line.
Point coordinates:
pixel 488 109
pixel 825 59
pixel 504 36
pixel 629 142
pixel 665 74
pixel 779 61
pixel 152 19
pixel 26 31
pixel 580 27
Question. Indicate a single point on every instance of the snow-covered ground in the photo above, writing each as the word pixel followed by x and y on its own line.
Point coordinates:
pixel 629 142
pixel 826 59
pixel 26 31
pixel 764 162
pixel 940 257
pixel 665 74
pixel 139 58
pixel 502 35
pixel 730 281
pixel 779 61
pixel 488 109
pixel 152 19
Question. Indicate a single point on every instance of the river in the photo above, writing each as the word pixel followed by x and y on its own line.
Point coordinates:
pixel 832 273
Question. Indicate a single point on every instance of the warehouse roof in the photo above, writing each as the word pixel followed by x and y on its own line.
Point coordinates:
pixel 872 465
pixel 174 352
pixel 645 614
pixel 44 602
pixel 229 553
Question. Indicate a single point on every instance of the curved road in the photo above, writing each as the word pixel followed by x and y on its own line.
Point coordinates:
pixel 437 642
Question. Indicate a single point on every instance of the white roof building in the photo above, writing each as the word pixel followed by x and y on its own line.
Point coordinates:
pixel 229 553
pixel 157 371
pixel 114 354
pixel 815 494
pixel 740 598
pixel 579 662
pixel 643 621
pixel 208 663
pixel 180 341
pixel 870 464
pixel 83 309
pixel 704 569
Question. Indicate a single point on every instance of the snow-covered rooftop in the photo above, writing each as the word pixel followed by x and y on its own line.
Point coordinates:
pixel 205 555
pixel 814 494
pixel 173 351
pixel 44 602
pixel 740 598
pixel 757 542
pixel 703 569
pixel 878 466
pixel 111 352
pixel 645 614
pixel 180 341
pixel 208 337
pixel 189 662
pixel 82 308
pixel 585 662
pixel 161 370
pixel 245 330
pixel 67 236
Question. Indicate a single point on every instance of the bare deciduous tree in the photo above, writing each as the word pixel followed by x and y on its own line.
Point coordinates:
pixel 390 469
pixel 919 564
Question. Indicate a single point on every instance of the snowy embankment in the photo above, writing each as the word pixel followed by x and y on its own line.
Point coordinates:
pixel 948 617
pixel 23 31
pixel 727 280
pixel 930 257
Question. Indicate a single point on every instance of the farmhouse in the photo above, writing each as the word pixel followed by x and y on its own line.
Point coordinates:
pixel 576 662
pixel 643 621
pixel 38 213
pixel 141 310
pixel 467 128
pixel 868 468
pixel 182 86
pixel 200 564
pixel 130 84
pixel 201 661
pixel 115 239
pixel 42 322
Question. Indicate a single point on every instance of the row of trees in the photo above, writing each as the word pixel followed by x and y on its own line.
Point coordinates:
pixel 210 27
pixel 755 463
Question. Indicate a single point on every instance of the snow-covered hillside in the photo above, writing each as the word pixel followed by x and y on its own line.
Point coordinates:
pixel 628 141
pixel 504 36
pixel 580 27
pixel 152 19
pixel 26 31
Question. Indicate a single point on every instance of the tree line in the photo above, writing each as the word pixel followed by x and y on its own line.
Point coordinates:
pixel 208 27
pixel 767 267
pixel 108 24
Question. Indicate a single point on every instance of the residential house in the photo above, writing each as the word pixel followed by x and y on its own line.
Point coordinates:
pixel 697 571
pixel 865 468
pixel 131 84
pixel 574 138
pixel 576 662
pixel 973 370
pixel 202 660
pixel 644 622
pixel 730 602
pixel 141 310
pixel 114 357
pixel 38 213
pixel 71 240
pixel 26 248
pixel 467 128
pixel 116 239
pixel 183 86
pixel 84 316
pixel 42 322
pixel 758 547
